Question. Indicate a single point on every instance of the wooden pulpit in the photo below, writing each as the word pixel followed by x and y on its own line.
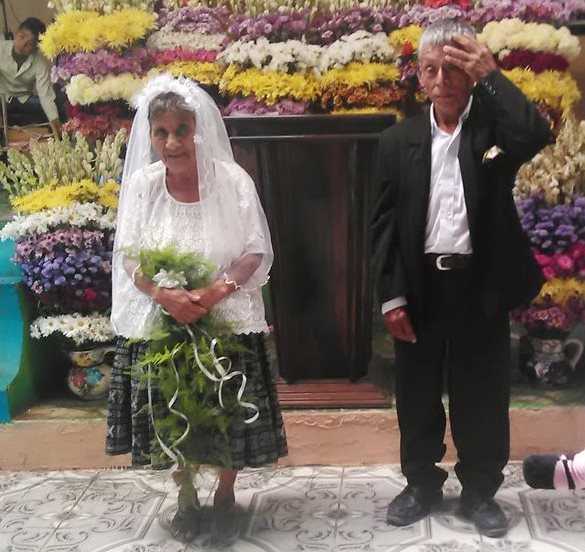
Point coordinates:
pixel 314 175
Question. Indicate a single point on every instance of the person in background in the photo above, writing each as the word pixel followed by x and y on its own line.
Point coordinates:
pixel 25 78
pixel 451 260
pixel 555 471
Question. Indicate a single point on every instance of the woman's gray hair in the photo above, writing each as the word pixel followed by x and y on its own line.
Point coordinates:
pixel 165 102
pixel 442 32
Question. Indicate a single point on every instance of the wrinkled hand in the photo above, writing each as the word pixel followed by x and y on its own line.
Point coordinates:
pixel 209 296
pixel 398 325
pixel 181 304
pixel 470 56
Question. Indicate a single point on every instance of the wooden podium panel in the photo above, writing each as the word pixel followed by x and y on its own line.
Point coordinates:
pixel 314 176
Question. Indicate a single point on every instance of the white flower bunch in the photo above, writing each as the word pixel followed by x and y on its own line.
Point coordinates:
pixel 101 6
pixel 77 327
pixel 361 46
pixel 514 34
pixel 77 214
pixel 558 171
pixel 83 90
pixel 169 40
pixel 287 57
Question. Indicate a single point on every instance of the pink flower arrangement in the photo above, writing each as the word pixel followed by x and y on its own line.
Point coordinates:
pixel 550 320
pixel 99 120
pixel 251 106
pixel 563 265
pixel 101 63
pixel 190 19
pixel 164 57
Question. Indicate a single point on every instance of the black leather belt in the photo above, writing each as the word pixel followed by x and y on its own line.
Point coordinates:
pixel 448 261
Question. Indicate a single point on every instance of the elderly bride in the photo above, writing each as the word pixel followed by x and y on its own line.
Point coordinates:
pixel 182 187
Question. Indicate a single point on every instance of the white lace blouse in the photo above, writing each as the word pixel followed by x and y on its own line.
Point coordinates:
pixel 161 220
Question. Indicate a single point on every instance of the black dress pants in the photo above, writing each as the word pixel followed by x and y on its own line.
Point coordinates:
pixel 458 344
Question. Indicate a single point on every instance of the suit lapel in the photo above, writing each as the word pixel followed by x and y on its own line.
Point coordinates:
pixel 468 173
pixel 419 181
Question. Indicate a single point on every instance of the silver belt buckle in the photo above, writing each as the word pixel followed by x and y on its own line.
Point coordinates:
pixel 439 262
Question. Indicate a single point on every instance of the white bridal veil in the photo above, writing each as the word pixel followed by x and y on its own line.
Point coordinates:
pixel 233 221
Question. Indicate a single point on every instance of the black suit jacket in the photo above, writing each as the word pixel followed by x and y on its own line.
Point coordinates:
pixel 503 267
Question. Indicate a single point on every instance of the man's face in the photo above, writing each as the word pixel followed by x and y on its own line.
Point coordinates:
pixel 25 42
pixel 447 86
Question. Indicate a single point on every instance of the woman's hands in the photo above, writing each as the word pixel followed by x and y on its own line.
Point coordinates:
pixel 179 303
pixel 186 307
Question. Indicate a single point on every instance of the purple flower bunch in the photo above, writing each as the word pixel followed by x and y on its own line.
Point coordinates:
pixel 251 106
pixel 68 270
pixel 195 19
pixel 545 11
pixel 101 63
pixel 552 229
pixel 326 28
pixel 275 27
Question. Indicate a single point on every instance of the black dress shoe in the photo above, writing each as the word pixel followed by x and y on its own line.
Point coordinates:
pixel 412 505
pixel 485 513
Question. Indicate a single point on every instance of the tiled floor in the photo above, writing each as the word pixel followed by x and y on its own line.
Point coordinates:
pixel 320 509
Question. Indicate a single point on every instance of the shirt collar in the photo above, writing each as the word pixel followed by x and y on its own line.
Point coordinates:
pixel 464 115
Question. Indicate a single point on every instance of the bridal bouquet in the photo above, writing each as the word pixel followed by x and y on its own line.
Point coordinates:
pixel 189 365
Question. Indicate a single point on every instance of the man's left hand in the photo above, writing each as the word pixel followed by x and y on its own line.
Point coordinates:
pixel 470 56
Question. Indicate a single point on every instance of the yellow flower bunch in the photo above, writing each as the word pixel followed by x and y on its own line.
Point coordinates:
pixel 410 34
pixel 199 71
pixel 88 31
pixel 397 113
pixel 83 90
pixel 269 86
pixel 358 74
pixel 557 90
pixel 52 196
pixel 559 290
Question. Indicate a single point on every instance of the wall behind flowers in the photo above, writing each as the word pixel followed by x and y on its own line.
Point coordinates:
pixel 282 57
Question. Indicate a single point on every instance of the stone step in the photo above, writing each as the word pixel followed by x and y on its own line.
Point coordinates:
pixel 70 435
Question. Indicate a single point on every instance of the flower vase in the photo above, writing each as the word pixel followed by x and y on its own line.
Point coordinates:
pixel 89 376
pixel 550 362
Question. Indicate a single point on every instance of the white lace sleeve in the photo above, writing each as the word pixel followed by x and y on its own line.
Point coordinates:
pixel 255 227
pixel 131 309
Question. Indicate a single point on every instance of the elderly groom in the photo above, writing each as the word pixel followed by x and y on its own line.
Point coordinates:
pixel 451 261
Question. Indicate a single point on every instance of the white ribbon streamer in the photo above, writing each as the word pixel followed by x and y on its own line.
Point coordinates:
pixel 224 374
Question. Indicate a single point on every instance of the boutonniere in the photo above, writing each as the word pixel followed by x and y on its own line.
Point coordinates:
pixel 490 154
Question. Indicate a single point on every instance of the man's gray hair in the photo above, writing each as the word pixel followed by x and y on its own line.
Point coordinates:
pixel 442 32
pixel 165 102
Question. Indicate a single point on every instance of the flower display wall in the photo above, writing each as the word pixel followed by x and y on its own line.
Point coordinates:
pixel 284 57
pixel 65 195
pixel 550 193
pixel 100 61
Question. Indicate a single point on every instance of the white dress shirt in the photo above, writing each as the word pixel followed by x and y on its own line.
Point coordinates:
pixel 32 77
pixel 447 228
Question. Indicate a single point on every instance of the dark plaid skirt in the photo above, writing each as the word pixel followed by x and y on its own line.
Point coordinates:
pixel 129 428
